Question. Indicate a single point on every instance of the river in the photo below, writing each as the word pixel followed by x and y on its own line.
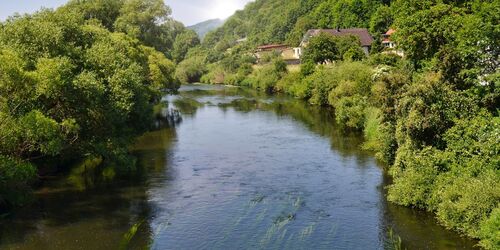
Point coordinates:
pixel 241 170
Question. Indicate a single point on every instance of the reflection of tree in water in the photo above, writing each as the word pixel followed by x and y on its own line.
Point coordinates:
pixel 153 149
pixel 84 206
pixel 60 218
pixel 320 120
pixel 185 106
pixel 241 105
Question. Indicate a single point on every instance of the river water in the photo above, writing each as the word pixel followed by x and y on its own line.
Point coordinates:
pixel 241 170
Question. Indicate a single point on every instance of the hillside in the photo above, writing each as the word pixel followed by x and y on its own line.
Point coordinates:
pixel 271 21
pixel 204 27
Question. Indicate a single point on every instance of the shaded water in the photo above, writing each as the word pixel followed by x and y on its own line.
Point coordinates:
pixel 240 171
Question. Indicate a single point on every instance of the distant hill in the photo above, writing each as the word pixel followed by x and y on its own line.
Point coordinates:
pixel 204 27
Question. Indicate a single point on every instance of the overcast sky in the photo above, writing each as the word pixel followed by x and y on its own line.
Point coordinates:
pixel 187 11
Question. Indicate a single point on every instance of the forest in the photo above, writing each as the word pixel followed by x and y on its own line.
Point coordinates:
pixel 83 81
pixel 432 116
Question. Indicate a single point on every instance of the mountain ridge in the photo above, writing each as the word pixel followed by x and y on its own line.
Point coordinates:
pixel 204 27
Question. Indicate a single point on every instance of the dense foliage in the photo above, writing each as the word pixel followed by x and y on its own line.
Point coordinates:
pixel 80 81
pixel 432 116
pixel 327 48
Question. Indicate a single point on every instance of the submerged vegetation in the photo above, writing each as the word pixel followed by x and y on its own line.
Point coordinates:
pixel 83 80
pixel 432 116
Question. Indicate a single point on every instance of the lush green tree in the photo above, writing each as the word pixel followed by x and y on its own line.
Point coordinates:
pixel 328 48
pixel 183 42
pixel 69 84
pixel 191 69
pixel 381 20
pixel 148 21
pixel 322 48
pixel 106 11
pixel 349 48
pixel 459 183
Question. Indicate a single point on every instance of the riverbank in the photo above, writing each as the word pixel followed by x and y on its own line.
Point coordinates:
pixel 415 122
pixel 74 86
pixel 249 169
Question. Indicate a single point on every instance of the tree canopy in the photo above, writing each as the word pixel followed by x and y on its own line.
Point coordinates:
pixel 71 82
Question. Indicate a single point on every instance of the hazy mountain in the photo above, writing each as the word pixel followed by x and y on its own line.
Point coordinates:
pixel 204 27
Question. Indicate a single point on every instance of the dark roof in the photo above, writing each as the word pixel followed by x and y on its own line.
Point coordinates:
pixel 272 46
pixel 364 36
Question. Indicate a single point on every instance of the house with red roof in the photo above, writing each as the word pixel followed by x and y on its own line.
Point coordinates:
pixel 293 55
pixel 389 44
pixel 386 39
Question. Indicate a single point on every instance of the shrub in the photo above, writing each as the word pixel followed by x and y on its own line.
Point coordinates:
pixel 461 183
pixel 388 59
pixel 354 54
pixel 307 68
pixel 414 173
pixel 15 178
pixel 191 70
pixel 428 109
pixel 344 89
pixel 279 66
pixel 263 79
pixel 489 234
pixel 214 75
pixel 291 84
pixel 322 81
pixel 350 112
pixel 372 130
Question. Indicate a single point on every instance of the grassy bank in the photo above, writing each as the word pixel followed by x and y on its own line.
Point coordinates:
pixel 440 142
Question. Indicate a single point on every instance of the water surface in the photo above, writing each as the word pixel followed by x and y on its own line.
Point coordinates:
pixel 241 170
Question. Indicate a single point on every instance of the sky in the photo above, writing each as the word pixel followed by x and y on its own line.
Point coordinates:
pixel 187 11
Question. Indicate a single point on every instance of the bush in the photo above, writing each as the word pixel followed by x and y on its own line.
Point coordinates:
pixel 354 54
pixel 471 189
pixel 263 79
pixel 428 109
pixel 307 68
pixel 15 180
pixel 191 70
pixel 279 66
pixel 350 112
pixel 215 75
pixel 489 234
pixel 414 173
pixel 322 81
pixel 388 59
pixel 460 183
pixel 372 129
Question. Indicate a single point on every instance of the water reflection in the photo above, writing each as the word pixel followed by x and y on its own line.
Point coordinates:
pixel 243 170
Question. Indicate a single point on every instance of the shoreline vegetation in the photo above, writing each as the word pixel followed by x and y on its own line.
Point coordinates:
pixel 432 116
pixel 82 81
